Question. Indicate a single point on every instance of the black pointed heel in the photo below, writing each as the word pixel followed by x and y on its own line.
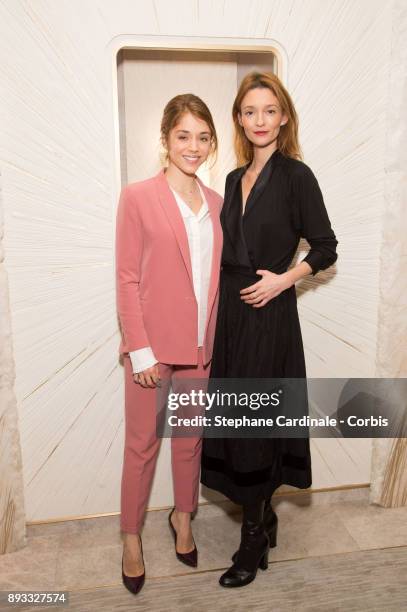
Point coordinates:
pixel 134 584
pixel 189 558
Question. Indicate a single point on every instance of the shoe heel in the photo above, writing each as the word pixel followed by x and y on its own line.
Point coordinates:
pixel 264 562
pixel 189 558
pixel 273 536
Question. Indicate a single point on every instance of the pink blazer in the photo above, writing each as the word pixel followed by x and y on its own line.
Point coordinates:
pixel 156 303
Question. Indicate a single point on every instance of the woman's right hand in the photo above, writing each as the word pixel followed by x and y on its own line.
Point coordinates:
pixel 149 377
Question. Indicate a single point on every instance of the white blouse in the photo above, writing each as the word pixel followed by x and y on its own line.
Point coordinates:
pixel 199 230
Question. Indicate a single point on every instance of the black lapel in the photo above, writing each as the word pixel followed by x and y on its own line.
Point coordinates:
pixel 229 213
pixel 261 182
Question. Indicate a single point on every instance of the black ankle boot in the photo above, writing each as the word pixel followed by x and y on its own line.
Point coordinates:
pixel 253 550
pixel 270 520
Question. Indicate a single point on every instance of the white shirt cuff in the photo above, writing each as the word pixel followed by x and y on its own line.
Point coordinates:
pixel 142 359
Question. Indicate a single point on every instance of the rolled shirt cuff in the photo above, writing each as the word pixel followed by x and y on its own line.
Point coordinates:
pixel 141 359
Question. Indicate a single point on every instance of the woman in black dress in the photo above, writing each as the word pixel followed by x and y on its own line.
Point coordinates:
pixel 271 201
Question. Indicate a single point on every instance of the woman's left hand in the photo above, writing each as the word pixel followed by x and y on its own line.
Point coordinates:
pixel 269 287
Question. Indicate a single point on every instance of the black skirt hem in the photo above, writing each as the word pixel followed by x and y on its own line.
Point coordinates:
pixel 242 487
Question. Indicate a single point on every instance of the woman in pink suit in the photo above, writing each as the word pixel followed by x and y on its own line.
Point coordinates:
pixel 168 250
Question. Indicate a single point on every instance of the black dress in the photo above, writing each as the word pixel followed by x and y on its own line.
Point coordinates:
pixel 284 205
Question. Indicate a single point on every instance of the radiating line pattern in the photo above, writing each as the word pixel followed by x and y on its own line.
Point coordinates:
pixel 57 158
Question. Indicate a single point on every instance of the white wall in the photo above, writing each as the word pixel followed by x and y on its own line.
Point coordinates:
pixel 60 164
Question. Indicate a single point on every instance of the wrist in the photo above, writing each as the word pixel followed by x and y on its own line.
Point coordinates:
pixel 289 278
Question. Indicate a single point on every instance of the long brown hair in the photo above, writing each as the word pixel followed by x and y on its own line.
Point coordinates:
pixel 173 112
pixel 287 140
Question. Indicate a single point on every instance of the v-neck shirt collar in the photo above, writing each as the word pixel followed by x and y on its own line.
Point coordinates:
pixel 185 209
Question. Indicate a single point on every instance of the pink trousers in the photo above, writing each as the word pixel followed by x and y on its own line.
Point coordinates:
pixel 141 448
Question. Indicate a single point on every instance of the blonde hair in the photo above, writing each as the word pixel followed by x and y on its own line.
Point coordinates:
pixel 287 140
pixel 176 108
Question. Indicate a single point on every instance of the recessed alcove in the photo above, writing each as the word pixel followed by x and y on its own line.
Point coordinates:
pixel 149 78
